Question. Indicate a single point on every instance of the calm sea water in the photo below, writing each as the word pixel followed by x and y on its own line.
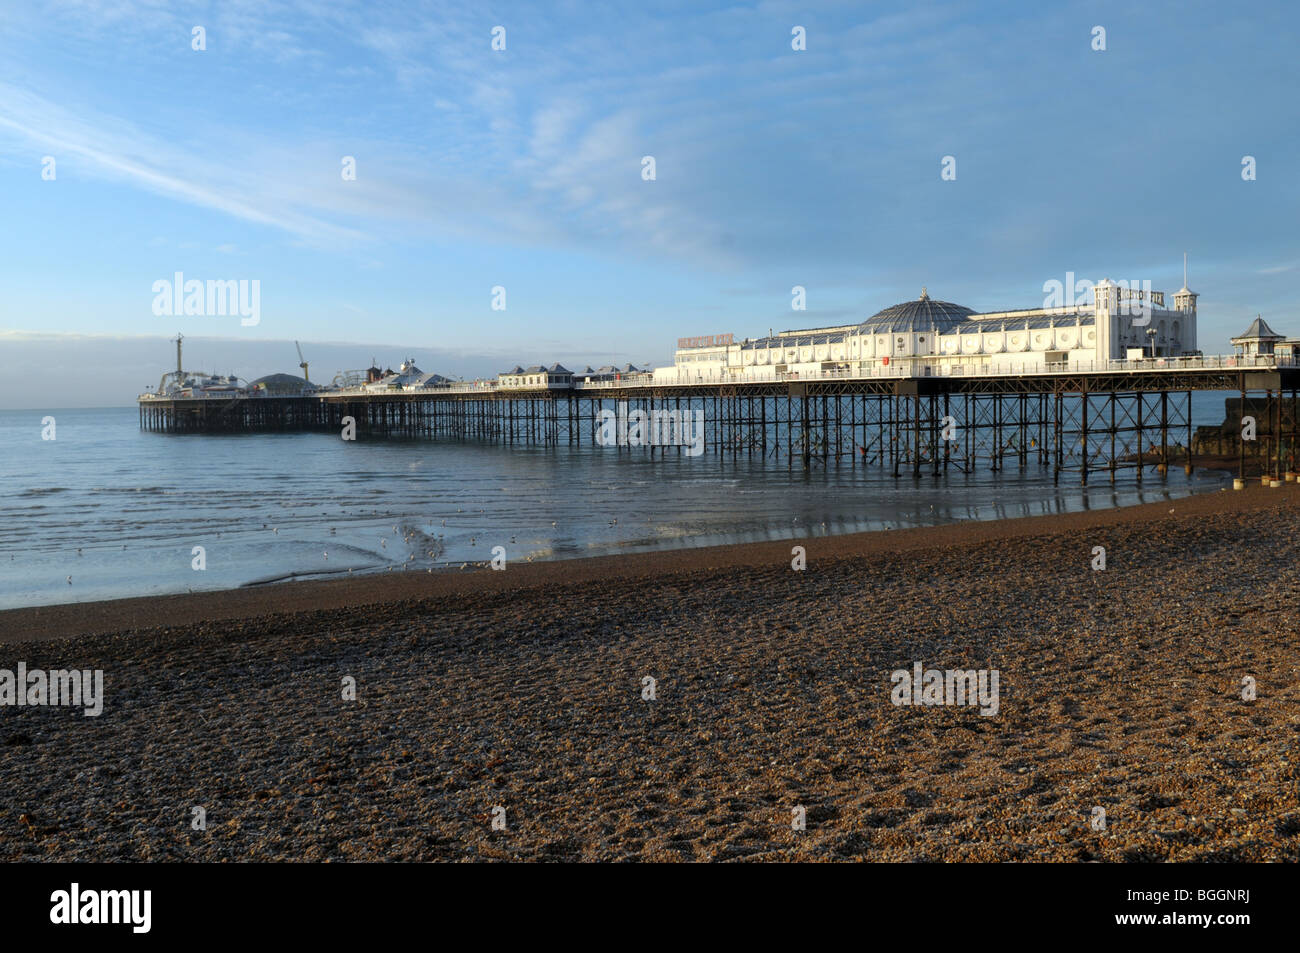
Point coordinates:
pixel 106 510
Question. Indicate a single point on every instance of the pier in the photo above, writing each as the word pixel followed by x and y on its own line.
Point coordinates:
pixel 1108 418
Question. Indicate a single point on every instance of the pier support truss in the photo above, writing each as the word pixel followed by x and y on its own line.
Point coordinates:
pixel 1086 424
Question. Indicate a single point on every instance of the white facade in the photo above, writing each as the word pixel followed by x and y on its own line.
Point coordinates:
pixel 537 376
pixel 927 337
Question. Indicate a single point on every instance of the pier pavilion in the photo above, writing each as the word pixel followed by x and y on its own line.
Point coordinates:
pixel 926 337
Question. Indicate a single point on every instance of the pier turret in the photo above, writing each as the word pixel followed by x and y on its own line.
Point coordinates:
pixel 1185 298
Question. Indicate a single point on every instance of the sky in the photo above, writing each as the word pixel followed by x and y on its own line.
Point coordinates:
pixel 523 169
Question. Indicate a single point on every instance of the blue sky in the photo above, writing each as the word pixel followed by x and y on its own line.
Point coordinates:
pixel 522 168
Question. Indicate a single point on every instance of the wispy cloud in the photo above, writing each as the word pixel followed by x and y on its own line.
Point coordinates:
pixel 113 148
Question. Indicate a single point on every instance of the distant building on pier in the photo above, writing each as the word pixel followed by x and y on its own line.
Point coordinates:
pixel 519 378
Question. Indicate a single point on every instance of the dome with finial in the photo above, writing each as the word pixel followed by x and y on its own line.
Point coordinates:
pixel 922 314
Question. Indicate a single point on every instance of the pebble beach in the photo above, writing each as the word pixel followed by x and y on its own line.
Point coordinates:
pixel 504 715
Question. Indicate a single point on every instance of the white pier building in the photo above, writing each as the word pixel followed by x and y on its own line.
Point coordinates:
pixel 926 337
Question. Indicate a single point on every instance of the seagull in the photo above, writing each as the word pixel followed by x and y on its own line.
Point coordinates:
pixel 326 554
pixel 383 543
pixel 69 580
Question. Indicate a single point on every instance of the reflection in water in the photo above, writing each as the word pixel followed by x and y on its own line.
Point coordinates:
pixel 121 511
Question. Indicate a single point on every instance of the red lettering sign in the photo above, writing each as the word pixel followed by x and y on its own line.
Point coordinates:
pixel 711 340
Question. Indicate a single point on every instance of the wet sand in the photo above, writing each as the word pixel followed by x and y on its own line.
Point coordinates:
pixel 522 689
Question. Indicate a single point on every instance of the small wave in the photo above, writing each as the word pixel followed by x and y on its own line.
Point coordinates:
pixel 43 490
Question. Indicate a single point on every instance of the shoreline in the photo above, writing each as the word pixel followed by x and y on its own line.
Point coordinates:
pixel 74 620
pixel 1120 692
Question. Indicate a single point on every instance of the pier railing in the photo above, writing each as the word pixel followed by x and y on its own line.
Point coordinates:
pixel 752 374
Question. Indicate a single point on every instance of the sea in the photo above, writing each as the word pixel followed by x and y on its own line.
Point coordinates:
pixel 105 510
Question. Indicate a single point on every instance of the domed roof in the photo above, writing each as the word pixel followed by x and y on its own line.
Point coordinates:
pixel 922 314
pixel 283 384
